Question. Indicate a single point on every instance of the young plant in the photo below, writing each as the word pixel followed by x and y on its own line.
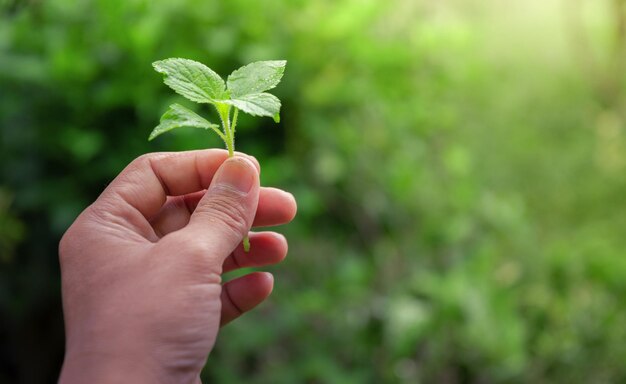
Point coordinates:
pixel 243 90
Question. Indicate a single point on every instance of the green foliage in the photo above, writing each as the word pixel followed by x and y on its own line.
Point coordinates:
pixel 245 91
pixel 258 104
pixel 178 116
pixel 256 77
pixel 11 229
pixel 198 83
pixel 458 167
pixel 191 79
pixel 247 86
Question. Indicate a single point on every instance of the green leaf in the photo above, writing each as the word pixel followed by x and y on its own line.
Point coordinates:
pixel 257 104
pixel 191 79
pixel 178 116
pixel 255 77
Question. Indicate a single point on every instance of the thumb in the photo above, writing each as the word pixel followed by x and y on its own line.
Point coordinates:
pixel 225 213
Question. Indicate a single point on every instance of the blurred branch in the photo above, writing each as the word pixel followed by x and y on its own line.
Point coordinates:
pixel 605 78
pixel 578 37
pixel 619 62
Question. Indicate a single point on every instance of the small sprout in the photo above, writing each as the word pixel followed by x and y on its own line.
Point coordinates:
pixel 245 90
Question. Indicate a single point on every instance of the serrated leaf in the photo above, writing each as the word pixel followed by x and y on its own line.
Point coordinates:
pixel 257 104
pixel 178 116
pixel 191 79
pixel 255 77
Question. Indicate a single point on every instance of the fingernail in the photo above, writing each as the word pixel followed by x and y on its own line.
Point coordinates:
pixel 236 173
pixel 252 159
pixel 269 276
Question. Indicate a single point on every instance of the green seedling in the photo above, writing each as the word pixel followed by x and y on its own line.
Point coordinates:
pixel 244 90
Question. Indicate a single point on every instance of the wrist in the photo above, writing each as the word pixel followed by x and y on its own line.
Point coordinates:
pixel 101 368
pixel 106 368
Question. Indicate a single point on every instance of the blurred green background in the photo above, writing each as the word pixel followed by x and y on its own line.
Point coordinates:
pixel 459 166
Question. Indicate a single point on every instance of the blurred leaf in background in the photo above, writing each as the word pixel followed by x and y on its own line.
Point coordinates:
pixel 11 229
pixel 459 167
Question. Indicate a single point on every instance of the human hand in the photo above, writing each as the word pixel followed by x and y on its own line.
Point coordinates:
pixel 141 267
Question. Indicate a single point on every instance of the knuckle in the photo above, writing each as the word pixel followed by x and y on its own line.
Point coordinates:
pixel 74 238
pixel 147 159
pixel 65 245
pixel 142 160
pixel 102 211
pixel 73 242
pixel 148 156
pixel 99 210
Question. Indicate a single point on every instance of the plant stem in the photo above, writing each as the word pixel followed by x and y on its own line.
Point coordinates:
pixel 230 135
pixel 231 124
pixel 234 123
pixel 223 110
pixel 229 131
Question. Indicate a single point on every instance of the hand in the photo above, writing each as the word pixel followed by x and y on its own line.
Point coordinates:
pixel 141 267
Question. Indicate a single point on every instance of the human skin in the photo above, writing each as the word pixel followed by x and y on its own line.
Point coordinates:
pixel 141 267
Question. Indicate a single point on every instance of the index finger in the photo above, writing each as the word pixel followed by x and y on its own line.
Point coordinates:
pixel 147 181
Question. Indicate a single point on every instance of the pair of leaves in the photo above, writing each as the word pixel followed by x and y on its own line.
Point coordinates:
pixel 244 89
